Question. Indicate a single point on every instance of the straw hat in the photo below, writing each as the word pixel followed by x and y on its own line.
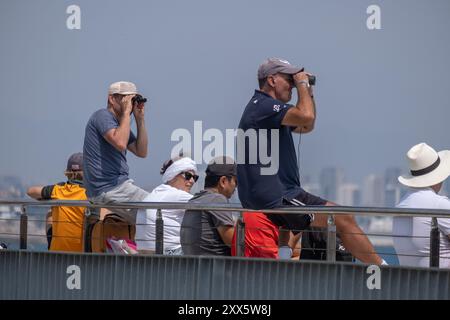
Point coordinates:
pixel 427 167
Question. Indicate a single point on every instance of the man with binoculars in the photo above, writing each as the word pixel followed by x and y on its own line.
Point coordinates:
pixel 268 110
pixel 107 138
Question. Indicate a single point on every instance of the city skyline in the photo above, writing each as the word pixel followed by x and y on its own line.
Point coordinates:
pixel 374 190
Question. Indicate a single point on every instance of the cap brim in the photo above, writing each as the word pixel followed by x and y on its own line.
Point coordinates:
pixel 430 179
pixel 123 93
pixel 291 70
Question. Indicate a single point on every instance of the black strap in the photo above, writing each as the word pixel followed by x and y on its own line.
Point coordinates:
pixel 426 170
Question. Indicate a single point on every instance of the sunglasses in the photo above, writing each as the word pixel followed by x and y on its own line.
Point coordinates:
pixel 188 176
pixel 287 78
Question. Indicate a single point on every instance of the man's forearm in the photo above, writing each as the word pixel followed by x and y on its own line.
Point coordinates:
pixel 122 133
pixel 141 139
pixel 305 103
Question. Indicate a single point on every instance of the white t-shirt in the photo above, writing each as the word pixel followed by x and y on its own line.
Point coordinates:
pixel 146 219
pixel 413 247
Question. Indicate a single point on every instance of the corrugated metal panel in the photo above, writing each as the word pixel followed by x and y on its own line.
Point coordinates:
pixel 43 275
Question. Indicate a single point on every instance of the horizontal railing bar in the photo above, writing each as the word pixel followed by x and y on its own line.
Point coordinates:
pixel 337 210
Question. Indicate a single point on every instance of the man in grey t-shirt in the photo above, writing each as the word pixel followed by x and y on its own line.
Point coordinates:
pixel 211 232
pixel 107 138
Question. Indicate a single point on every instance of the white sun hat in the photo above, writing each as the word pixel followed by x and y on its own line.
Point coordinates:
pixel 427 167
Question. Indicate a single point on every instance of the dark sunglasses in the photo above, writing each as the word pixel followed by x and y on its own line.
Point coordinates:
pixel 289 78
pixel 188 176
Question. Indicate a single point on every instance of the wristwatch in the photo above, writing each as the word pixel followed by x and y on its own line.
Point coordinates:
pixel 304 82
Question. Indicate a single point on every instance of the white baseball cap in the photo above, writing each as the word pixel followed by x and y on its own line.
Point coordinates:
pixel 122 87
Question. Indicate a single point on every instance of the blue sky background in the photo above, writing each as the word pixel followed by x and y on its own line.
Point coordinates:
pixel 378 91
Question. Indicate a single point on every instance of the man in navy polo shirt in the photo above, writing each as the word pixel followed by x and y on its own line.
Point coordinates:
pixel 268 112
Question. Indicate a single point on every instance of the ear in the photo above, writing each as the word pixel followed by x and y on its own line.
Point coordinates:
pixel 110 99
pixel 270 81
pixel 222 181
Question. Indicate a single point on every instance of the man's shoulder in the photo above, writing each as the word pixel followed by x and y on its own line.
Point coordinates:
pixel 424 198
pixel 265 104
pixel 102 113
pixel 208 197
pixel 443 202
pixel 262 98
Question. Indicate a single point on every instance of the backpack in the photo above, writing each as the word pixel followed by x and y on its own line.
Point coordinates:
pixel 112 226
pixel 314 246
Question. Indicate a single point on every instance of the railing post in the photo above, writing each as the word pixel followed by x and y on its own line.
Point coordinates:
pixel 434 243
pixel 331 239
pixel 240 236
pixel 159 246
pixel 23 228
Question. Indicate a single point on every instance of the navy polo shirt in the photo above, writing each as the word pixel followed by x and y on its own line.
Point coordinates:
pixel 256 190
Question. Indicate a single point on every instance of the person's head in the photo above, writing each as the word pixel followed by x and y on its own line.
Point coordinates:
pixel 221 176
pixel 74 169
pixel 275 78
pixel 180 173
pixel 428 168
pixel 117 91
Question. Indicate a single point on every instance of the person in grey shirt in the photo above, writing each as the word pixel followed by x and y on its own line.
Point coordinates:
pixel 211 232
pixel 107 138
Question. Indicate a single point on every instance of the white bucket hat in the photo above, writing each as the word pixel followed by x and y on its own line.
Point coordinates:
pixel 427 166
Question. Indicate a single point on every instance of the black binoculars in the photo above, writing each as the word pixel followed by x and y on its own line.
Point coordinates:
pixel 138 99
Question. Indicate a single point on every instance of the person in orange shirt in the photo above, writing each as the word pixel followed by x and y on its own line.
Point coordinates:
pixel 67 222
pixel 262 239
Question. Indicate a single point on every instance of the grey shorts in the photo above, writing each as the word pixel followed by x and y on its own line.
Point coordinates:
pixel 125 192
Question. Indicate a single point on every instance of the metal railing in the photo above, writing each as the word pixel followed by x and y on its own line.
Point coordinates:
pixel 240 225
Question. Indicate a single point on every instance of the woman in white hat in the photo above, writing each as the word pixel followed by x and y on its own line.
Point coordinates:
pixel 428 171
pixel 178 176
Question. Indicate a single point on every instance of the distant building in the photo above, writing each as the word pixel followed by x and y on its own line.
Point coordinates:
pixel 330 180
pixel 349 194
pixel 11 187
pixel 392 188
pixel 373 191
pixel 446 188
pixel 311 187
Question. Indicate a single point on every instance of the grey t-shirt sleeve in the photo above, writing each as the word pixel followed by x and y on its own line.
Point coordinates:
pixel 221 218
pixel 105 121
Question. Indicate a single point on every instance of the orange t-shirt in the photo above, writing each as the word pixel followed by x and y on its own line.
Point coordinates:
pixel 67 225
pixel 261 236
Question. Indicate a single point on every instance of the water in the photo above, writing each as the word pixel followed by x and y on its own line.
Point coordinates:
pixel 388 254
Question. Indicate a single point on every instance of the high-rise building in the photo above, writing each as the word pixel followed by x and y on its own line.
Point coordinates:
pixel 391 175
pixel 373 191
pixel 330 180
pixel 446 188
pixel 392 188
pixel 309 185
pixel 349 195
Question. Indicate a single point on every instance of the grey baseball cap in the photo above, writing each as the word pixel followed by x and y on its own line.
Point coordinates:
pixel 275 65
pixel 75 162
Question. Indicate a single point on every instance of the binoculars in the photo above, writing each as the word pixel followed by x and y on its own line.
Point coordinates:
pixel 138 99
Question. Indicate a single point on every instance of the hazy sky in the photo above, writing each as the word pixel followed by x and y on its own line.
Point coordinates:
pixel 378 91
